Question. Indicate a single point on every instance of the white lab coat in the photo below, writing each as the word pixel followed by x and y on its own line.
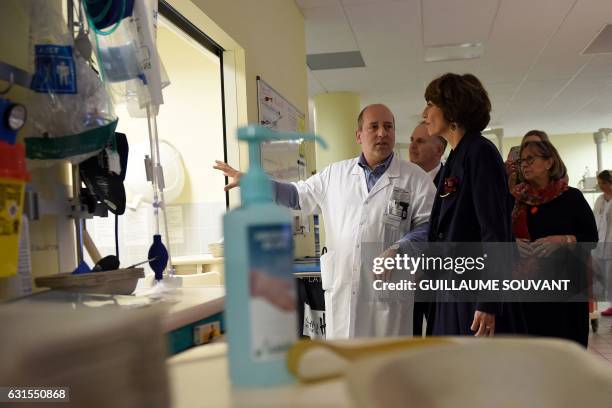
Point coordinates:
pixel 353 217
pixel 603 217
pixel 602 254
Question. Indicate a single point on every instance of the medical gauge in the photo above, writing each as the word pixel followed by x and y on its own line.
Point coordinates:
pixel 13 118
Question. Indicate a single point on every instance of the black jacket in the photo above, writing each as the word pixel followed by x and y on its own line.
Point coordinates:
pixel 478 209
pixel 436 179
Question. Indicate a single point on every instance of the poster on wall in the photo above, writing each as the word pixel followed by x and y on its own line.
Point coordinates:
pixel 276 112
pixel 283 161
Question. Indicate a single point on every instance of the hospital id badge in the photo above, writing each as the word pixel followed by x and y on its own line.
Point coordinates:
pixel 397 208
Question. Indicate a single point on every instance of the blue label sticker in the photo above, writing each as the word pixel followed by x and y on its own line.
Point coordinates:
pixel 272 289
pixel 55 70
pixel 271 249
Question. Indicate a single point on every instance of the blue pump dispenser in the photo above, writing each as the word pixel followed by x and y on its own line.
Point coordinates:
pixel 260 302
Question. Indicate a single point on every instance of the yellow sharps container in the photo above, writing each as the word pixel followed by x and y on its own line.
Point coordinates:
pixel 13 177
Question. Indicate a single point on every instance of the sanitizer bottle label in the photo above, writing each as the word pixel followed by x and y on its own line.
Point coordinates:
pixel 272 291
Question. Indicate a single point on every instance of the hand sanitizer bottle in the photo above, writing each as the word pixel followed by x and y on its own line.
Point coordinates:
pixel 260 307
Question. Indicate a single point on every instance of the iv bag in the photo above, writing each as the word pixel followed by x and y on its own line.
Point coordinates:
pixel 130 62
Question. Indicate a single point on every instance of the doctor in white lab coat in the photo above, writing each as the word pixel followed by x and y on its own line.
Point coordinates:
pixel 370 204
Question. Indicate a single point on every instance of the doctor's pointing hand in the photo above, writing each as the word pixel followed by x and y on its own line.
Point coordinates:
pixel 228 171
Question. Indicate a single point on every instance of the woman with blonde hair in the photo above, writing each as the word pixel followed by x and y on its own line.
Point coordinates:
pixel 549 215
pixel 512 166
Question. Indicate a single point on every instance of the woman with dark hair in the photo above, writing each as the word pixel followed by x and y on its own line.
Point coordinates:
pixel 472 202
pixel 549 215
pixel 602 256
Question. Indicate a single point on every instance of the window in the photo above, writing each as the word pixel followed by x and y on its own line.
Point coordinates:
pixel 192 135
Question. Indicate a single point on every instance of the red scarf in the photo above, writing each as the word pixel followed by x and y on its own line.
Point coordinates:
pixel 529 196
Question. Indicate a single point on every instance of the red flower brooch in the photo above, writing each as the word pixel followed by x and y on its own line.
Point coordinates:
pixel 450 186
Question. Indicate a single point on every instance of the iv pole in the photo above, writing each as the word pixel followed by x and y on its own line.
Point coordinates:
pixel 76 178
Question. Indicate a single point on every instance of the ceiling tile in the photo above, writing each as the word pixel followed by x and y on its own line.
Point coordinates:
pixel 353 2
pixel 602 44
pixel 563 56
pixel 576 94
pixel 531 67
pixel 601 106
pixel 340 80
pixel 456 22
pixel 600 66
pixel 388 33
pixel 539 92
pixel 431 70
pixel 314 85
pixel 499 91
pixel 306 4
pixel 518 38
pixel 327 30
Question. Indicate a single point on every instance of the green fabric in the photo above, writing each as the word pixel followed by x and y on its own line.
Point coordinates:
pixel 46 148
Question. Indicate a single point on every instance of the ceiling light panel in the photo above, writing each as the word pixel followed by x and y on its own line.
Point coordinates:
pixel 454 52
pixel 335 60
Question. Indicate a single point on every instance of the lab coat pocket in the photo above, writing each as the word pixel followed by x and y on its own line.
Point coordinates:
pixel 328 270
pixel 391 234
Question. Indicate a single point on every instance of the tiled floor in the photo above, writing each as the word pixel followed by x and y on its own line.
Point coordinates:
pixel 600 343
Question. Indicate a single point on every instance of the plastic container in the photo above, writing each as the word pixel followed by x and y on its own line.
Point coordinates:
pixel 120 60
pixel 13 177
pixel 260 292
pixel 117 47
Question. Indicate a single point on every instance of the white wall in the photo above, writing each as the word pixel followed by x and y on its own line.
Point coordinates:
pixel 261 37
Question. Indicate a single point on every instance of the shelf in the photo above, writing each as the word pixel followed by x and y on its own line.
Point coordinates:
pixel 198 264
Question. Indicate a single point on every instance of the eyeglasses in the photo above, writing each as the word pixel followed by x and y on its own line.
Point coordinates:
pixel 527 160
